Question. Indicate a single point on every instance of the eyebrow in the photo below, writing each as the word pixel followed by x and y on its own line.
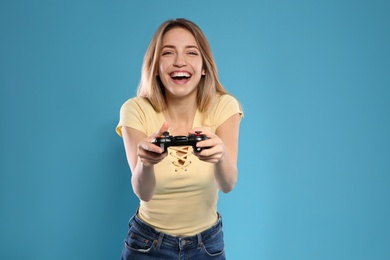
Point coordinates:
pixel 173 47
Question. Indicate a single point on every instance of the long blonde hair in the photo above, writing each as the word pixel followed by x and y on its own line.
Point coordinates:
pixel 150 86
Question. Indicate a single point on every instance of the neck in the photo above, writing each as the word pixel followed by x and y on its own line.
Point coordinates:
pixel 180 115
pixel 181 112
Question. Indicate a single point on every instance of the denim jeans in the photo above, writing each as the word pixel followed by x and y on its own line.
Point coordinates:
pixel 145 243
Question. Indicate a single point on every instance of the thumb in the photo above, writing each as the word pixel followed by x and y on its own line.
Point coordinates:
pixel 163 128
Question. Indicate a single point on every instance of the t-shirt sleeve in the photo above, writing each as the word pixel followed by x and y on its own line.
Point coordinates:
pixel 226 107
pixel 131 115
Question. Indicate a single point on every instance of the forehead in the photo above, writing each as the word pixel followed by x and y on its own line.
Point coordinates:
pixel 179 37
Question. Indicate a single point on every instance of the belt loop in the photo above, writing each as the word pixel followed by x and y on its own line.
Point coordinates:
pixel 200 243
pixel 131 220
pixel 160 239
pixel 220 219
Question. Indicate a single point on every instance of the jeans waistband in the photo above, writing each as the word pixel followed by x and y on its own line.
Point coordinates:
pixel 174 240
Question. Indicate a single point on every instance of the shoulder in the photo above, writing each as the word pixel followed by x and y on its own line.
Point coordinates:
pixel 226 98
pixel 224 106
pixel 137 103
pixel 226 103
pixel 137 113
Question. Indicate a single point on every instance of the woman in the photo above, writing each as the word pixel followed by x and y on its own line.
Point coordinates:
pixel 179 92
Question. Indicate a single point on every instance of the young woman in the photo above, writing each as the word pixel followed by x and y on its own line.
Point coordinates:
pixel 179 92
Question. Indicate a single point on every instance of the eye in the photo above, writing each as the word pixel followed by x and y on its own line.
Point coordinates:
pixel 164 53
pixel 193 53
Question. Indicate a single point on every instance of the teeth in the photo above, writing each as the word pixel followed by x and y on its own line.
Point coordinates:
pixel 180 74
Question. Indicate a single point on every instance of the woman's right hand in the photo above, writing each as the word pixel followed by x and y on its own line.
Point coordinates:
pixel 142 155
pixel 150 154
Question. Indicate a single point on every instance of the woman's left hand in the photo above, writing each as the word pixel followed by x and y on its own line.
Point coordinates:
pixel 213 148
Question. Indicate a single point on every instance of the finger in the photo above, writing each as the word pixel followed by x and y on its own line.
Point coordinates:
pixel 208 143
pixel 149 147
pixel 211 159
pixel 213 141
pixel 151 157
pixel 210 152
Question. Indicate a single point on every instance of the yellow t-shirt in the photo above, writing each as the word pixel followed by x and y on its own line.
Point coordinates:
pixel 185 200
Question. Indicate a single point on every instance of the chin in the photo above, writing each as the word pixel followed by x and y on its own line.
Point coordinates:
pixel 182 92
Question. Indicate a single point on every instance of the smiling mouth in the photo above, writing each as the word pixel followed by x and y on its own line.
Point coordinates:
pixel 180 75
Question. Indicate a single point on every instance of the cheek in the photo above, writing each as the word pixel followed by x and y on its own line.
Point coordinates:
pixel 200 67
pixel 160 69
pixel 163 76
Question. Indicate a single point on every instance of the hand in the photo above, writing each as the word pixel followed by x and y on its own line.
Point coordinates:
pixel 215 147
pixel 151 154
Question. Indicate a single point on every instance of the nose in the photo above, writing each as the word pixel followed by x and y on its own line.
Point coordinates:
pixel 180 60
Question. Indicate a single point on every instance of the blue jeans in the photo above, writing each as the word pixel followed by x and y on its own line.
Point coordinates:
pixel 145 243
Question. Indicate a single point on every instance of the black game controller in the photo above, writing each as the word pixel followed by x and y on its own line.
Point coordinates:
pixel 166 140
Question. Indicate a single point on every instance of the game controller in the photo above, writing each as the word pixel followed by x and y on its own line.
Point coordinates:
pixel 166 140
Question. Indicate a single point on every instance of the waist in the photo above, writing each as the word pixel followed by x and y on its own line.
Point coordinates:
pixel 172 239
pixel 178 221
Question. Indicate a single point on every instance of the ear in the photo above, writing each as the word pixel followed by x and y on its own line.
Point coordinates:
pixel 203 72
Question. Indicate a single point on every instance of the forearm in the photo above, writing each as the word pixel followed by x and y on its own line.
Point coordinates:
pixel 143 181
pixel 226 173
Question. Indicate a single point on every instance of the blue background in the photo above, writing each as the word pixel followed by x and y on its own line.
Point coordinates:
pixel 313 79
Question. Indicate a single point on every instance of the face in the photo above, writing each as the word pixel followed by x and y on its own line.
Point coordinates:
pixel 180 63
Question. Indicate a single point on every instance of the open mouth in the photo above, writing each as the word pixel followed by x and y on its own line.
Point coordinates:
pixel 180 77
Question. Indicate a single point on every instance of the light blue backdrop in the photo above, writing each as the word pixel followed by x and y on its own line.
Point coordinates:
pixel 312 76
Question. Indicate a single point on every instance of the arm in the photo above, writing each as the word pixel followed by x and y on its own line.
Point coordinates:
pixel 142 156
pixel 223 152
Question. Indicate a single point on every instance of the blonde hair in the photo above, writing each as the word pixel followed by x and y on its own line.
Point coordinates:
pixel 150 86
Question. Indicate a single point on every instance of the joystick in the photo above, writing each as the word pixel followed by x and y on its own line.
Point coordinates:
pixel 166 140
